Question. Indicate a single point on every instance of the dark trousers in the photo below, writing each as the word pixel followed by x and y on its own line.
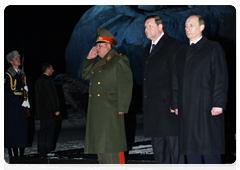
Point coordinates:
pixel 204 159
pixel 166 150
pixel 111 158
pixel 46 137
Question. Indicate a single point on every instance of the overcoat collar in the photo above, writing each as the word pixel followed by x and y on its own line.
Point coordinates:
pixel 198 45
pixel 47 76
pixel 13 72
pixel 160 43
pixel 109 55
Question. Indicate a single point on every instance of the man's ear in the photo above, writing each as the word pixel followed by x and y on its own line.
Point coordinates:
pixel 11 62
pixel 47 70
pixel 109 45
pixel 202 27
pixel 160 27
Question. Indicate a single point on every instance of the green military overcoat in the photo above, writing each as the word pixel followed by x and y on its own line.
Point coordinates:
pixel 110 92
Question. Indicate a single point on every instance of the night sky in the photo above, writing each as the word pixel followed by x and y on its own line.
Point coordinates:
pixel 42 32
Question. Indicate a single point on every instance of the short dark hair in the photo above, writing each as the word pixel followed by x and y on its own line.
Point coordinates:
pixel 157 18
pixel 45 66
pixel 200 19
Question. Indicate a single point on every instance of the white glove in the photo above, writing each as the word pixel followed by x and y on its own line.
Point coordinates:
pixel 26 104
pixel 26 88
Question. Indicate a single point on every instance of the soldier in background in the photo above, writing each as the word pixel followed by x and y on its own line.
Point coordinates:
pixel 110 94
pixel 15 120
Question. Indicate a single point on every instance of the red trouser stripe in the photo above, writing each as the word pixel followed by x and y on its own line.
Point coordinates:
pixel 121 158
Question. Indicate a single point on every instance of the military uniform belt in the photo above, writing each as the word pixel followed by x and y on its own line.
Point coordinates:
pixel 18 93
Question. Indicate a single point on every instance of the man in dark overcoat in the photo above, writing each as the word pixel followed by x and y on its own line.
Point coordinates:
pixel 157 67
pixel 200 86
pixel 47 110
pixel 110 92
pixel 15 120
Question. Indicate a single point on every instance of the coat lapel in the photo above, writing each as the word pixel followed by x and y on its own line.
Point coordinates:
pixel 158 46
pixel 199 44
pixel 100 62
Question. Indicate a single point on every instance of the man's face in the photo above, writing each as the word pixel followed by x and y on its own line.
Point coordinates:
pixel 103 49
pixel 50 71
pixel 152 30
pixel 15 61
pixel 193 29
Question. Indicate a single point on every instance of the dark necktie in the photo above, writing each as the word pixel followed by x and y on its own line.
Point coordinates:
pixel 192 44
pixel 152 47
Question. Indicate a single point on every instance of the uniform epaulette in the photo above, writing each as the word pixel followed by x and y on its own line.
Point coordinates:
pixel 110 57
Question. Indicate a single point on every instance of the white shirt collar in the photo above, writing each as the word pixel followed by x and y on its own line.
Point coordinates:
pixel 195 42
pixel 46 74
pixel 16 70
pixel 158 39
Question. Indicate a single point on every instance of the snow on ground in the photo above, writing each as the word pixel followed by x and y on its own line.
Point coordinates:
pixel 72 137
pixel 69 145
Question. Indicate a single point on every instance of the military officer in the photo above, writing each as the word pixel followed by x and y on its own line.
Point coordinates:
pixel 15 121
pixel 110 94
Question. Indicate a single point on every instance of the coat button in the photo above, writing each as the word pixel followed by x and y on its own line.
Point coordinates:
pixel 90 84
pixel 100 71
pixel 98 95
pixel 92 72
pixel 90 95
pixel 98 82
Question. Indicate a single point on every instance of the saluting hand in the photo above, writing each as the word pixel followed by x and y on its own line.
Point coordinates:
pixel 92 53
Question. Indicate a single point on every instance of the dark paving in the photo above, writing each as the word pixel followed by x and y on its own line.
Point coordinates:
pixel 76 156
pixel 142 156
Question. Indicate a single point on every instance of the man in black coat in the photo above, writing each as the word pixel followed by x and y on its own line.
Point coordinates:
pixel 15 120
pixel 159 123
pixel 200 85
pixel 47 110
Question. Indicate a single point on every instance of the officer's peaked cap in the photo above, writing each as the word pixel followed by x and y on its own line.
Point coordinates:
pixel 104 36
